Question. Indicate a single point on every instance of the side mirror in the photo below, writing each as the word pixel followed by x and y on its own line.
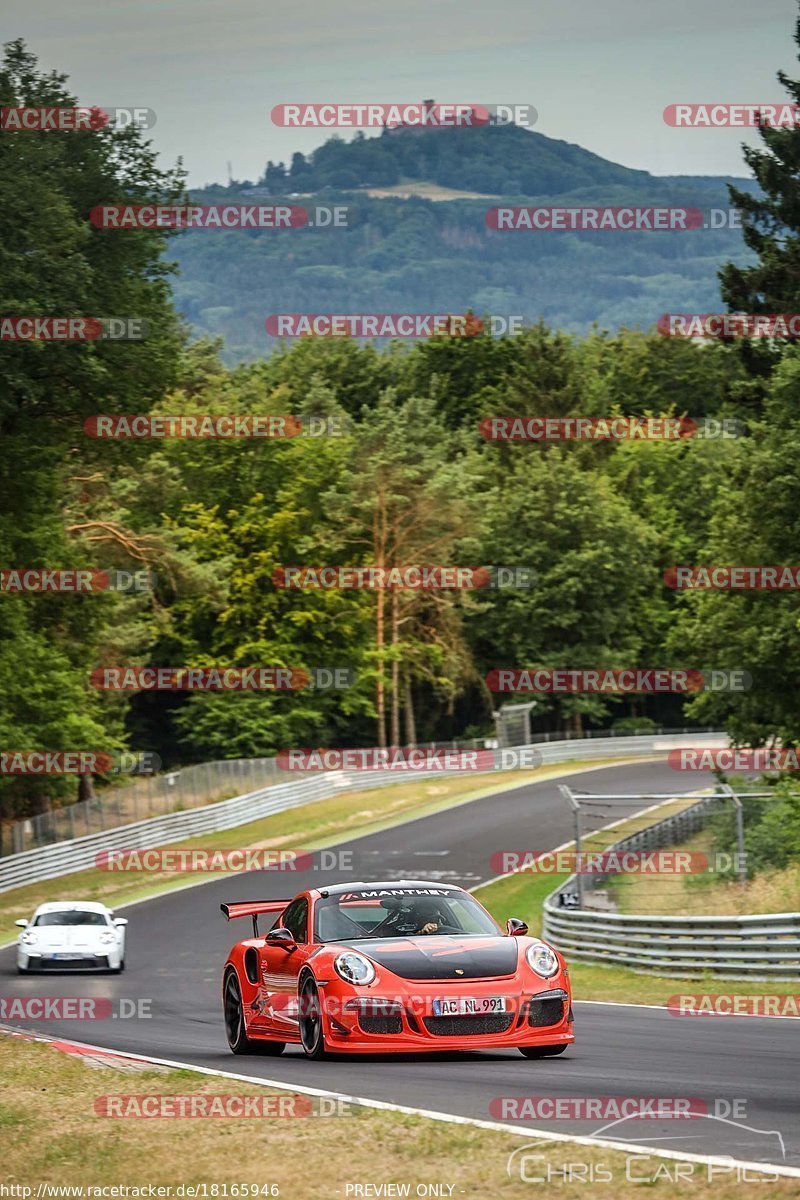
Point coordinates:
pixel 515 927
pixel 120 921
pixel 281 937
pixel 22 924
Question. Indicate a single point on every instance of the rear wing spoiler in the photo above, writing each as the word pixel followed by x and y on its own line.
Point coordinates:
pixel 252 908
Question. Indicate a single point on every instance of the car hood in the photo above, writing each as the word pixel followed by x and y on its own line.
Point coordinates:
pixel 433 957
pixel 66 937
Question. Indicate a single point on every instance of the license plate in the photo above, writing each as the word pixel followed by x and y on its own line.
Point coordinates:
pixel 469 1006
pixel 70 956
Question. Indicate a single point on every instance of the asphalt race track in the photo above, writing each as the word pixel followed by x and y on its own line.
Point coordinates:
pixel 178 943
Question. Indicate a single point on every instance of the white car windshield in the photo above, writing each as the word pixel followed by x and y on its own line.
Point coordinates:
pixel 74 917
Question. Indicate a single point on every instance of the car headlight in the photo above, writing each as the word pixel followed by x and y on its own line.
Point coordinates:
pixel 28 937
pixel 354 968
pixel 108 937
pixel 542 960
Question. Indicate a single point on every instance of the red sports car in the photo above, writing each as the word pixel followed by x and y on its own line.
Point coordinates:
pixel 380 967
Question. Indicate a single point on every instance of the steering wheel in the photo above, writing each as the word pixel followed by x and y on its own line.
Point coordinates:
pixel 391 925
pixel 407 928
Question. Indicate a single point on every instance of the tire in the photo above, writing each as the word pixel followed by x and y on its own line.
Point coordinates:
pixel 22 970
pixel 542 1051
pixel 233 1013
pixel 312 1034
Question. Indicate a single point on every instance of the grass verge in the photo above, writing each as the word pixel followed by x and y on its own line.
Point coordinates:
pixel 311 827
pixel 775 890
pixel 52 1135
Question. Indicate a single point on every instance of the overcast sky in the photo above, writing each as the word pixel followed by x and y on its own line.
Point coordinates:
pixel 599 74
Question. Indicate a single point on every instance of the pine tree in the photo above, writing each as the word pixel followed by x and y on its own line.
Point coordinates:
pixel 770 220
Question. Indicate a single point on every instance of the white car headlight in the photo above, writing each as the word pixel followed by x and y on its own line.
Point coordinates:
pixel 354 968
pixel 542 960
pixel 28 937
pixel 108 937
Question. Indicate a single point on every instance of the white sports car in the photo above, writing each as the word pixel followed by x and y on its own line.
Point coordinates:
pixel 72 934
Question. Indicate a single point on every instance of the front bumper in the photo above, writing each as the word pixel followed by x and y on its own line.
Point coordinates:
pixel 374 1024
pixel 82 961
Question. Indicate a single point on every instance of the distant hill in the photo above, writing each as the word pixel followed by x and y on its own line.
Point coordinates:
pixel 421 255
pixel 501 159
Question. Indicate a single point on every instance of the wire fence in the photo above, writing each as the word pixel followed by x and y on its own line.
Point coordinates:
pixel 145 796
pixel 140 798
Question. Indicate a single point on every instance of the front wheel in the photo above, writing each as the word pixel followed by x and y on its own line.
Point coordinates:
pixel 312 1037
pixel 233 1010
pixel 542 1051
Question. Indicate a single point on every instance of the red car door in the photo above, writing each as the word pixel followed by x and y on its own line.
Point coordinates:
pixel 276 1006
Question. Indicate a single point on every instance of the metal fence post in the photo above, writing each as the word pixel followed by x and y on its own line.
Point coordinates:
pixel 566 792
pixel 740 855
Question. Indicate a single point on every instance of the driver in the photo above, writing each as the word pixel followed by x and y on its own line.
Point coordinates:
pixel 426 916
pixel 409 916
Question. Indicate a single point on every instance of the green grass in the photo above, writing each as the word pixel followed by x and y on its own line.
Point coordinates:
pixel 57 1138
pixel 520 895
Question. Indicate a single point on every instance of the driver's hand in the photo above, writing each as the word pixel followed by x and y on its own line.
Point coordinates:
pixel 431 927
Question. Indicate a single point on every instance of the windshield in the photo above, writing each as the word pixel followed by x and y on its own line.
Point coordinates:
pixel 401 912
pixel 75 917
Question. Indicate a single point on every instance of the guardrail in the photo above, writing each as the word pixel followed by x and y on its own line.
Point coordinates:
pixel 147 795
pixel 732 947
pixel 78 854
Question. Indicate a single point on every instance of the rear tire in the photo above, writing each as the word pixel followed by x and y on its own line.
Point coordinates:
pixel 542 1051
pixel 312 1034
pixel 233 1011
